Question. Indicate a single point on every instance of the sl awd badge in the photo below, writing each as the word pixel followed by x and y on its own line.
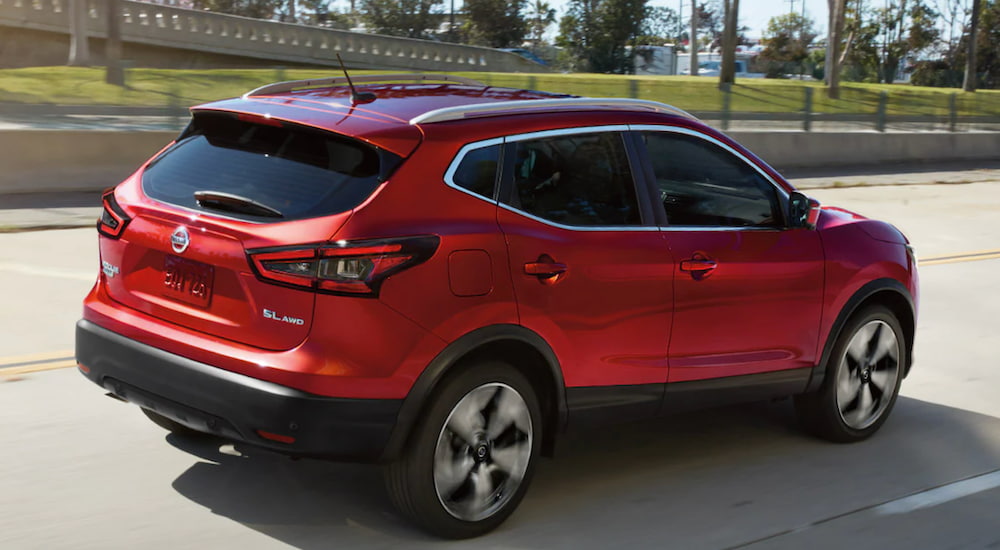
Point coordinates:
pixel 179 239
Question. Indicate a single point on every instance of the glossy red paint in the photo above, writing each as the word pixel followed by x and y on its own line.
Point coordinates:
pixel 642 305
pixel 774 278
pixel 608 315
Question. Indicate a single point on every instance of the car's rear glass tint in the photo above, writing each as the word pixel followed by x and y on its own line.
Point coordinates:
pixel 297 171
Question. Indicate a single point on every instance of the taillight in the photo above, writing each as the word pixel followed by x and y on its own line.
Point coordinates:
pixel 355 268
pixel 113 219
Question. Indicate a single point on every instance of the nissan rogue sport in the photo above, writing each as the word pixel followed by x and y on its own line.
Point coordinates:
pixel 441 276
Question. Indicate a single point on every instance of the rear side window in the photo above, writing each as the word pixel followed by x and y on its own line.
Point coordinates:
pixel 297 171
pixel 477 171
pixel 579 180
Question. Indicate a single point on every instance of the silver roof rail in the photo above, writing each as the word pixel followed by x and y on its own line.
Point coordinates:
pixel 282 87
pixel 546 105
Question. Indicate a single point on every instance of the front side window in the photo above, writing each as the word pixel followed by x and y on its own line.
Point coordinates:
pixel 702 184
pixel 578 180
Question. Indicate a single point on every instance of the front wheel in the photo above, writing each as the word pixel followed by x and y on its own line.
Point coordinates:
pixel 469 461
pixel 862 380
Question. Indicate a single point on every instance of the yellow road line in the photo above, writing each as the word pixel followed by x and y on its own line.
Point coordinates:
pixel 962 257
pixel 53 365
pixel 35 357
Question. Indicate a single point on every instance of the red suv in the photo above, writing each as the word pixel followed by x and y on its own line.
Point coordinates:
pixel 441 276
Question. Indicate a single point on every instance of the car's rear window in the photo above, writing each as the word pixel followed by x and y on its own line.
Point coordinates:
pixel 297 171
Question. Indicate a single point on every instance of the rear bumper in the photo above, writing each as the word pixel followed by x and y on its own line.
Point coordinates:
pixel 232 405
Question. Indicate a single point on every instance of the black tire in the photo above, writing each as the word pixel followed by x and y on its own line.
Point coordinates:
pixel 170 425
pixel 471 457
pixel 867 358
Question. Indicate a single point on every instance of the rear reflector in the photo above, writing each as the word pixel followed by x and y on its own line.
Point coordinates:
pixel 286 439
pixel 83 368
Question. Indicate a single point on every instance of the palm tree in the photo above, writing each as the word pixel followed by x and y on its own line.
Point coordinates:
pixel 540 16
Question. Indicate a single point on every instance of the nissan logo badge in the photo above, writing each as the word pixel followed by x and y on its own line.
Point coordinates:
pixel 179 239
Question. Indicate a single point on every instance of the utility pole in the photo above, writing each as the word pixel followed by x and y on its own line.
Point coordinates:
pixel 680 20
pixel 79 53
pixel 694 38
pixel 113 73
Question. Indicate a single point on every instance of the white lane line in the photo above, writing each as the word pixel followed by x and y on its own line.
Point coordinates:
pixel 57 272
pixel 941 495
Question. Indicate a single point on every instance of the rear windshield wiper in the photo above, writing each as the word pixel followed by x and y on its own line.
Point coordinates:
pixel 234 203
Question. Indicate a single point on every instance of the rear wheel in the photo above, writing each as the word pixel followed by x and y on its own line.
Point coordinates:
pixel 470 459
pixel 862 379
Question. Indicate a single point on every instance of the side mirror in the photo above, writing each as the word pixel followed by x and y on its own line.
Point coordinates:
pixel 803 211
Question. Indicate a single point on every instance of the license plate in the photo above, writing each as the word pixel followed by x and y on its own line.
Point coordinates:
pixel 187 280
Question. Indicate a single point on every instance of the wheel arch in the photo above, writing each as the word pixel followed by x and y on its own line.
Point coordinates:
pixel 887 292
pixel 522 348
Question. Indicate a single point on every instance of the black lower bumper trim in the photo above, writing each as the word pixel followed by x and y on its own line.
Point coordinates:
pixel 233 405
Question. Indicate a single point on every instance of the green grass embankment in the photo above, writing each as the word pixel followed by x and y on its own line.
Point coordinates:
pixel 181 88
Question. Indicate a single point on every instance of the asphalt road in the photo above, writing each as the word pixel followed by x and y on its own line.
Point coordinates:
pixel 79 470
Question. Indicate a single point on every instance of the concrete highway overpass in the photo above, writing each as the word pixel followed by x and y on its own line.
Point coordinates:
pixel 36 33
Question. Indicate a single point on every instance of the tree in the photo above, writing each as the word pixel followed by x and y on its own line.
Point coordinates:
pixel 859 61
pixel 539 18
pixel 969 83
pixel 409 18
pixel 113 74
pixel 79 53
pixel 880 39
pixel 712 21
pixel 835 32
pixel 495 23
pixel 954 17
pixel 905 28
pixel 727 74
pixel 787 40
pixel 659 26
pixel 595 33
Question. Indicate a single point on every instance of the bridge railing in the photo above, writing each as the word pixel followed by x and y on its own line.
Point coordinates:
pixel 174 27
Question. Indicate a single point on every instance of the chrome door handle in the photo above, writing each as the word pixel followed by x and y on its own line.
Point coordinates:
pixel 544 270
pixel 698 264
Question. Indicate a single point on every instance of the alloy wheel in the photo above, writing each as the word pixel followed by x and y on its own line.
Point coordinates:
pixel 482 452
pixel 867 374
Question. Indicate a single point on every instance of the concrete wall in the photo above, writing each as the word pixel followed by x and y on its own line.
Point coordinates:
pixel 72 160
pixel 81 160
pixel 814 149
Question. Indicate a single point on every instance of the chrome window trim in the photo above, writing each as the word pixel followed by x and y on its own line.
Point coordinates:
pixel 616 228
pixel 568 132
pixel 782 194
pixel 719 228
pixel 460 156
pixel 449 175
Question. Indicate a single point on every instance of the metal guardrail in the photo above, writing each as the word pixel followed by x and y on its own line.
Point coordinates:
pixel 185 29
